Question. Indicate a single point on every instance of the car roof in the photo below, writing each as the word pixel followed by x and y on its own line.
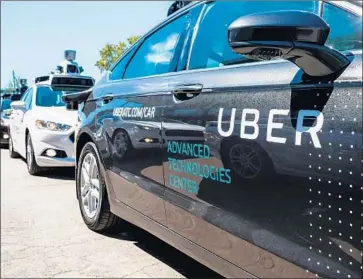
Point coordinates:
pixel 193 4
pixel 354 7
pixel 358 3
pixel 42 83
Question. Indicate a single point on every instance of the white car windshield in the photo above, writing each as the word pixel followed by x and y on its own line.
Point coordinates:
pixel 46 97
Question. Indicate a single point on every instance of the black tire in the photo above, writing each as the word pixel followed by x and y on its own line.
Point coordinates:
pixel 104 219
pixel 32 165
pixel 12 152
pixel 266 169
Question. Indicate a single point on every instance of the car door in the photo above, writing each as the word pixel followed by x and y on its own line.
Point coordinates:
pixel 256 188
pixel 128 122
pixel 24 120
pixel 16 123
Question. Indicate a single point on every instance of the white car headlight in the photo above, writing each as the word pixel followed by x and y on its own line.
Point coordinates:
pixel 148 128
pixel 4 122
pixel 52 126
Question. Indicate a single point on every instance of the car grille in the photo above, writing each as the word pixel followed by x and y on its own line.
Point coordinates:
pixel 71 137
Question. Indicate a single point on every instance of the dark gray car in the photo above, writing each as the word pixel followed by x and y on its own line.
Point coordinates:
pixel 273 185
pixel 4 118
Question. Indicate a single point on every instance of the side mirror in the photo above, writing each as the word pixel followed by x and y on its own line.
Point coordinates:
pixel 7 112
pixel 81 70
pixel 18 105
pixel 292 35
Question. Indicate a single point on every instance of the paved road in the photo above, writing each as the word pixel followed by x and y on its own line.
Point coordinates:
pixel 43 235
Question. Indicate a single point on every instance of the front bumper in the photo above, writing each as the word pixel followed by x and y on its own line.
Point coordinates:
pixel 4 135
pixel 61 142
pixel 45 161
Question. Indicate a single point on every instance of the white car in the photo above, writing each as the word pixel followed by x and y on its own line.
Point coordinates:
pixel 42 129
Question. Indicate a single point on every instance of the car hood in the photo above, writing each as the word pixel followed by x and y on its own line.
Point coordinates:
pixel 56 114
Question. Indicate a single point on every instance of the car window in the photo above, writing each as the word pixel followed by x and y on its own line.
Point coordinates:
pixel 5 104
pixel 46 97
pixel 345 28
pixel 155 55
pixel 24 96
pixel 118 70
pixel 28 99
pixel 211 48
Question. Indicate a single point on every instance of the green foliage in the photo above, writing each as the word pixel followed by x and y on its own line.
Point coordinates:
pixel 9 88
pixel 110 53
pixel 131 40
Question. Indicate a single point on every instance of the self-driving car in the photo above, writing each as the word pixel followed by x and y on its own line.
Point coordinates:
pixel 275 187
pixel 41 129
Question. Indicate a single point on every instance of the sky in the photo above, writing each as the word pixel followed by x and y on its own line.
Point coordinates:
pixel 34 34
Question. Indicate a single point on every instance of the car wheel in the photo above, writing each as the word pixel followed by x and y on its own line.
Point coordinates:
pixel 12 152
pixel 33 167
pixel 92 193
pixel 247 161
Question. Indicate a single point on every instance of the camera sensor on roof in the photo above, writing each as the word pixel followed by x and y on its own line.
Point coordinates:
pixel 67 74
pixel 70 81
pixel 70 55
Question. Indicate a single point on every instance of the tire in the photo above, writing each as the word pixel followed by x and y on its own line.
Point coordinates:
pixel 101 219
pixel 263 166
pixel 32 165
pixel 12 152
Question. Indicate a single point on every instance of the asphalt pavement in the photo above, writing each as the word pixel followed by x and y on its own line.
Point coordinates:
pixel 43 235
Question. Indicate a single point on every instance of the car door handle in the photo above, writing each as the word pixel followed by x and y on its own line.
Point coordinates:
pixel 185 92
pixel 107 98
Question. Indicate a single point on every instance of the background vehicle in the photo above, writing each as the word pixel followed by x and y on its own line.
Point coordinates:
pixel 282 89
pixel 4 115
pixel 41 128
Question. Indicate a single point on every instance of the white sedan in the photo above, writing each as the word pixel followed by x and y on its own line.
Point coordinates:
pixel 42 129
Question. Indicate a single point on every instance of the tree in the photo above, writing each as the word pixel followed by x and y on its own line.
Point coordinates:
pixel 9 88
pixel 131 40
pixel 110 53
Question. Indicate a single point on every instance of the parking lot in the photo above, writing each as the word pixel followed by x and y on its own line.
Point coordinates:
pixel 43 235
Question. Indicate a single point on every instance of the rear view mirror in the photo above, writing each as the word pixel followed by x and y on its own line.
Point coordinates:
pixel 18 105
pixel 81 70
pixel 292 35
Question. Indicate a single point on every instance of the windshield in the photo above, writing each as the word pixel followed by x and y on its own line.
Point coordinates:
pixel 5 104
pixel 46 97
